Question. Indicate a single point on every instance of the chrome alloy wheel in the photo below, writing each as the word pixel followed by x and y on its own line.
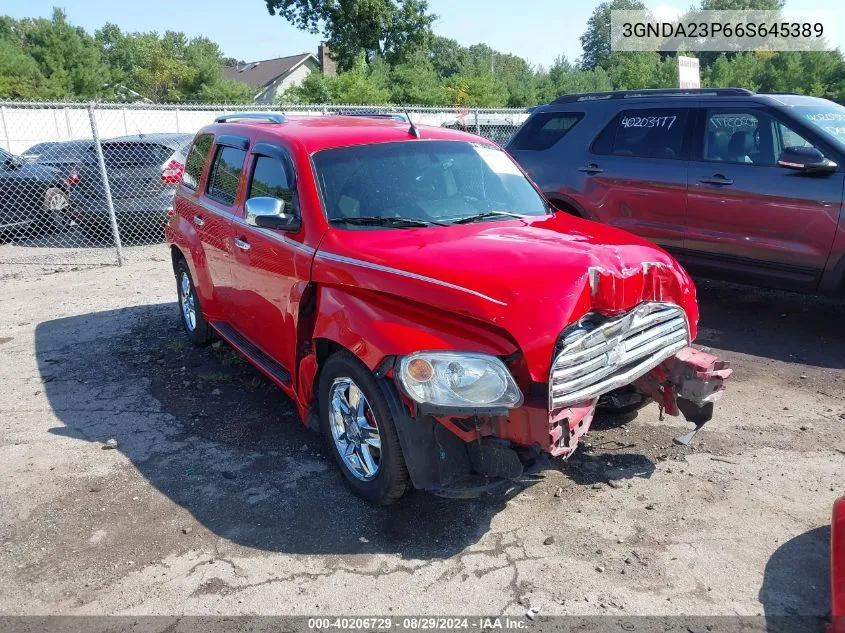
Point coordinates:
pixel 57 202
pixel 354 429
pixel 187 301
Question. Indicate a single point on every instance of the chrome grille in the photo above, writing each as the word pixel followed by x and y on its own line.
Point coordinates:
pixel 598 354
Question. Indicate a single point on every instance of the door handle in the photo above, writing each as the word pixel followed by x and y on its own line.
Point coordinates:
pixel 199 221
pixel 242 244
pixel 716 179
pixel 591 168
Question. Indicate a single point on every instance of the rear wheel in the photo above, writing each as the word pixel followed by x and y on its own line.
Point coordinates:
pixel 56 210
pixel 359 430
pixel 197 328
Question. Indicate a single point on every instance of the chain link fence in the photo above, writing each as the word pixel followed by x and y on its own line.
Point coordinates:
pixel 90 184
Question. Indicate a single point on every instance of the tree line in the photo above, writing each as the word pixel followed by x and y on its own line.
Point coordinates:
pixel 52 59
pixel 386 52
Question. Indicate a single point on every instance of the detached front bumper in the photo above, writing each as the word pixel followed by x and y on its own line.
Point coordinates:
pixel 687 383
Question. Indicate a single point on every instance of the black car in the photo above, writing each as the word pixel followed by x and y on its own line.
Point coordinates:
pixel 143 171
pixel 59 154
pixel 33 198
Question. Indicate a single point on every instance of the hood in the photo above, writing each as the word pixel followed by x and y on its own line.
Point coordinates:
pixel 531 277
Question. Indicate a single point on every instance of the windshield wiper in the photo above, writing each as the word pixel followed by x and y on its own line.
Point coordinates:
pixel 488 214
pixel 377 220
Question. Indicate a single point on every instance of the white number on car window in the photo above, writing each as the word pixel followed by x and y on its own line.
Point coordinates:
pixel 666 121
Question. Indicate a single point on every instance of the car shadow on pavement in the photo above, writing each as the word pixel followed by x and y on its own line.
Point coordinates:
pixel 783 326
pixel 795 593
pixel 217 438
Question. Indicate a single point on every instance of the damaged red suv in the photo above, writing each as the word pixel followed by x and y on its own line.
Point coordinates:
pixel 420 301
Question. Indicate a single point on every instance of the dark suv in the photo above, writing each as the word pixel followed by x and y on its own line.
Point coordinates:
pixel 740 186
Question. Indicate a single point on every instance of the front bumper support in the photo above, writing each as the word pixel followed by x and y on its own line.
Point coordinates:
pixel 687 383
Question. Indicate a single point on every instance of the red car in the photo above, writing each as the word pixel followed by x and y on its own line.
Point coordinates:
pixel 421 302
pixel 837 567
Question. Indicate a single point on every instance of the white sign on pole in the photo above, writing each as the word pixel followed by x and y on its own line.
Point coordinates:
pixel 688 75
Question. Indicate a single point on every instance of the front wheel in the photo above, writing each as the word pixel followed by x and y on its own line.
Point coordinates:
pixel 355 420
pixel 197 328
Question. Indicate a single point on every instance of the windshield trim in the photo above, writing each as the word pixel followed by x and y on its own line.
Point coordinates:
pixel 316 177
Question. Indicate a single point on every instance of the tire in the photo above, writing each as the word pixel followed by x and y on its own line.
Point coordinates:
pixel 390 481
pixel 56 211
pixel 190 311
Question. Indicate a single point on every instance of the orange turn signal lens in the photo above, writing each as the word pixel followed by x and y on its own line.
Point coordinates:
pixel 420 370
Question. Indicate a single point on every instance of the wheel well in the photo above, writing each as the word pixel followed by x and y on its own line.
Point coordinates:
pixel 323 348
pixel 175 256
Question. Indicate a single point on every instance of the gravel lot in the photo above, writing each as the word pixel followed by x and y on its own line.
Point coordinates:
pixel 217 501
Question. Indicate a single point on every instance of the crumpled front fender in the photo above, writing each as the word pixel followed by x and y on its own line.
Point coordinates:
pixel 373 326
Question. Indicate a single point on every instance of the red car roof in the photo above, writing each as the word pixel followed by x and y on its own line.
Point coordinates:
pixel 321 132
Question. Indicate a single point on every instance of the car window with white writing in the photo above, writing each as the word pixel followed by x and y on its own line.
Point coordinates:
pixel 650 133
pixel 740 136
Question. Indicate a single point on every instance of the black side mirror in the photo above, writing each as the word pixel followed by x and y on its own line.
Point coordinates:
pixel 269 213
pixel 808 160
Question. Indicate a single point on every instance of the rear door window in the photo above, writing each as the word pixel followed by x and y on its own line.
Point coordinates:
pixel 195 160
pixel 544 130
pixel 648 133
pixel 225 175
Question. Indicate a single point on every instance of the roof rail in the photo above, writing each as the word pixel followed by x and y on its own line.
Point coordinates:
pixel 373 115
pixel 269 117
pixel 653 92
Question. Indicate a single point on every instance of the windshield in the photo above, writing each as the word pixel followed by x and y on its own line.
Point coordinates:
pixel 828 118
pixel 435 182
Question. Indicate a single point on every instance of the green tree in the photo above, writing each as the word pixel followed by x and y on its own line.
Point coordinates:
pixel 415 81
pixel 20 76
pixel 563 78
pixel 595 42
pixel 481 91
pixel 377 28
pixel 67 57
pixel 315 89
pixel 167 68
pixel 447 56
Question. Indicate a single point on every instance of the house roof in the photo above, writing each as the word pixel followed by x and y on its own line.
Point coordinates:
pixel 258 74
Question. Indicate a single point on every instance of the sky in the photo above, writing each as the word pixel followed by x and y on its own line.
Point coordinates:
pixel 537 30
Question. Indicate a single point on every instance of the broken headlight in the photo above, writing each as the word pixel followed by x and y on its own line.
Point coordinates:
pixel 458 379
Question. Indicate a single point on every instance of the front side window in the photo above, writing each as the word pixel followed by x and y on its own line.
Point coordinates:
pixel 270 179
pixel 787 137
pixel 827 117
pixel 753 137
pixel 428 181
pixel 649 133
pixel 225 175
pixel 195 161
pixel 739 136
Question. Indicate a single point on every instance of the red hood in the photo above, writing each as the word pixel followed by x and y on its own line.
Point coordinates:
pixel 531 278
